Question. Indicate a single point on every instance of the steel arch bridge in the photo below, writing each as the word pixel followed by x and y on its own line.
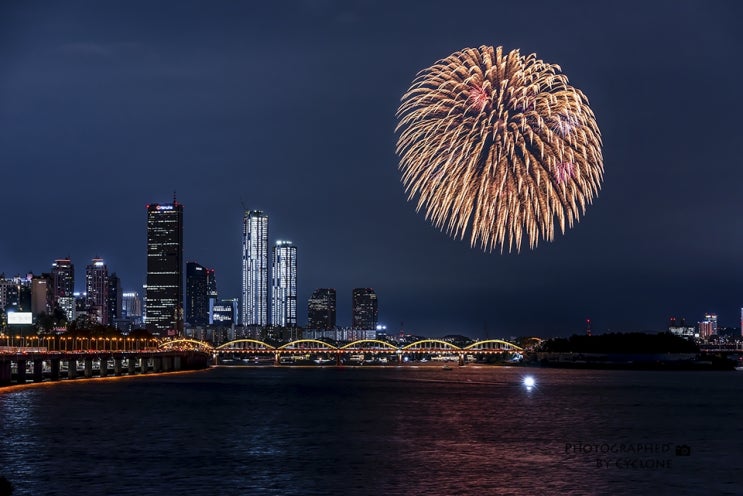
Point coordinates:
pixel 185 344
pixel 315 347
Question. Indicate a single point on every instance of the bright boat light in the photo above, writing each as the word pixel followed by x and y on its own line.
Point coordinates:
pixel 529 381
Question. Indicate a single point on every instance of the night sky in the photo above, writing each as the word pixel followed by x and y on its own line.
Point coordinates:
pixel 289 107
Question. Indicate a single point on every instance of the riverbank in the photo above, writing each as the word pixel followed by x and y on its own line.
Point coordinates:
pixel 637 361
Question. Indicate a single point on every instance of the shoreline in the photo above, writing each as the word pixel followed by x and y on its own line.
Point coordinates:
pixel 13 387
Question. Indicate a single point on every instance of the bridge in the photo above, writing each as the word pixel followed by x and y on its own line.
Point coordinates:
pixel 17 364
pixel 355 352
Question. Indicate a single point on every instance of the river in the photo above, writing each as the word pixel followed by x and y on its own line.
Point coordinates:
pixel 377 430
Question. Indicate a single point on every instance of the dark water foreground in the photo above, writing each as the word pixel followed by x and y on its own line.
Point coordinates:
pixel 369 431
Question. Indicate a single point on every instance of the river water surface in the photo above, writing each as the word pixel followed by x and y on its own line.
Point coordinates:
pixel 373 431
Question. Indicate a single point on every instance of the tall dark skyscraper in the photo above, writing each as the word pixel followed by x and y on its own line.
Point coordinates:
pixel 63 286
pixel 197 294
pixel 365 311
pixel 164 291
pixel 96 288
pixel 114 298
pixel 255 269
pixel 211 285
pixel 321 309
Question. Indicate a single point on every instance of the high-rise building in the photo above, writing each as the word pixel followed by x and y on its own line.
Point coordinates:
pixel 41 294
pixel 255 269
pixel 223 313
pixel 114 298
pixel 321 309
pixel 96 288
pixel 63 286
pixel 284 285
pixel 15 293
pixel 6 292
pixel 708 327
pixel 365 310
pixel 197 295
pixel 211 288
pixel 131 307
pixel 164 286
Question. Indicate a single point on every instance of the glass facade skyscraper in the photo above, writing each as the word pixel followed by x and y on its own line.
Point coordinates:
pixel 63 286
pixel 96 289
pixel 365 311
pixel 131 307
pixel 321 309
pixel 284 285
pixel 255 269
pixel 164 286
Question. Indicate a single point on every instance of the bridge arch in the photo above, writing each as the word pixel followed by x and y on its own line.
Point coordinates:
pixel 381 344
pixel 300 344
pixel 434 344
pixel 244 344
pixel 492 345
pixel 179 344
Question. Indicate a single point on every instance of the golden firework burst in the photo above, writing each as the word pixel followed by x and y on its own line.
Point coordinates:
pixel 498 144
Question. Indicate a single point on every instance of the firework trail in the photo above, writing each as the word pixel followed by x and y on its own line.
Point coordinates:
pixel 499 143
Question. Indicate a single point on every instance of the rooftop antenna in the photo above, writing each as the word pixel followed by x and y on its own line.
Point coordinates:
pixel 174 200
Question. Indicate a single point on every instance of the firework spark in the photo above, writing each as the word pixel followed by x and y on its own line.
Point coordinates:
pixel 500 144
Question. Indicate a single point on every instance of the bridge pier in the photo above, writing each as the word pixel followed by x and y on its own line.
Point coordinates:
pixel 177 362
pixel 21 374
pixel 132 364
pixel 71 369
pixel 38 370
pixel 144 365
pixel 5 372
pixel 88 367
pixel 157 364
pixel 55 369
pixel 104 367
pixel 117 366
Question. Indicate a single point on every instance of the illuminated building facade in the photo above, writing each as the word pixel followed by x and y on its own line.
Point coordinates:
pixel 164 287
pixel 321 309
pixel 708 327
pixel 63 286
pixel 96 289
pixel 284 285
pixel 365 310
pixel 223 313
pixel 255 269
pixel 131 307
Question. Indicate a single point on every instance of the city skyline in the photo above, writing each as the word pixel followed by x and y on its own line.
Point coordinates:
pixel 291 110
pixel 363 309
